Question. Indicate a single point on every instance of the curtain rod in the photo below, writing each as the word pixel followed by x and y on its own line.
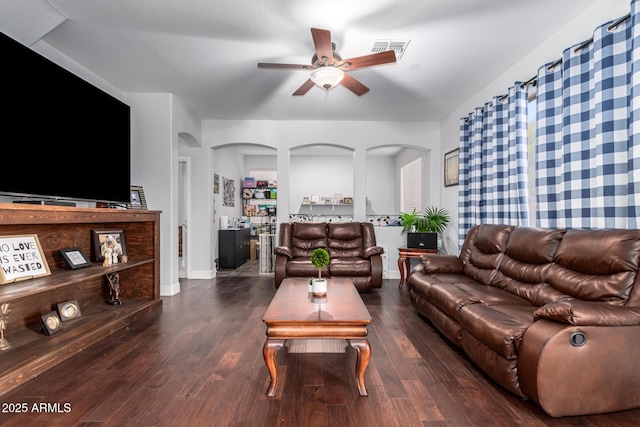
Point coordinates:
pixel 533 80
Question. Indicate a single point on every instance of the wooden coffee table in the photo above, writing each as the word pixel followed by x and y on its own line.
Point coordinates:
pixel 293 315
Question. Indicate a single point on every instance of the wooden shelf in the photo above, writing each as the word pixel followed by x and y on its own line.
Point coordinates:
pixel 326 208
pixel 26 288
pixel 32 352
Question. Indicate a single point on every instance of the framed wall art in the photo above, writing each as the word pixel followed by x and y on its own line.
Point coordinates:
pixel 216 183
pixel 451 162
pixel 21 258
pixel 109 245
pixel 75 258
pixel 138 201
pixel 229 189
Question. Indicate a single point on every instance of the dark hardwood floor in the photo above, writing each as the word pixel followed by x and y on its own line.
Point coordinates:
pixel 199 363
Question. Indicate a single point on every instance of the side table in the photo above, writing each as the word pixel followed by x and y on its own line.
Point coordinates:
pixel 404 255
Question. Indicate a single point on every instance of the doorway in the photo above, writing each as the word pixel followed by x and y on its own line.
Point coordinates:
pixel 184 210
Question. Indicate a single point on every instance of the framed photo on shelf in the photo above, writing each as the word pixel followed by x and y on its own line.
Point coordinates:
pixel 51 323
pixel 138 201
pixel 348 200
pixel 69 310
pixel 75 258
pixel 451 162
pixel 109 243
pixel 21 258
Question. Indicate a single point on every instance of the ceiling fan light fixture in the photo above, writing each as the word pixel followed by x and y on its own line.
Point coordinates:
pixel 327 77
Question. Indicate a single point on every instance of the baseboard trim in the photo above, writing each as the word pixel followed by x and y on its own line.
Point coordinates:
pixel 167 291
pixel 203 274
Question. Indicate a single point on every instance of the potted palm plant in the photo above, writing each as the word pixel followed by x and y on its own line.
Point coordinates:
pixel 319 259
pixel 422 228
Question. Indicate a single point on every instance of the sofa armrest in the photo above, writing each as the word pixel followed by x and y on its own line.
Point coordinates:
pixel 373 250
pixel 566 379
pixel 433 263
pixel 283 250
pixel 588 313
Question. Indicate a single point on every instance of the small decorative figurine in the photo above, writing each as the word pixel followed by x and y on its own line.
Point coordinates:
pixel 114 289
pixel 4 318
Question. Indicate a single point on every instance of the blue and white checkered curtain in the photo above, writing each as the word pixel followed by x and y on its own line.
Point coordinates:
pixel 493 163
pixel 588 132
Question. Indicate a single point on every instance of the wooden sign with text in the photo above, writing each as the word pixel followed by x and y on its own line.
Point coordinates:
pixel 21 258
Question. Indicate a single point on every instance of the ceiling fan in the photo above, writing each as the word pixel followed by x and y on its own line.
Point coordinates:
pixel 329 67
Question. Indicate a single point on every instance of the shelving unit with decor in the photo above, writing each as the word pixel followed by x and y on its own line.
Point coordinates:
pixel 32 352
pixel 325 211
pixel 259 204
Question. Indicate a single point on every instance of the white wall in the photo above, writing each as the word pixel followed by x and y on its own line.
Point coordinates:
pixel 319 175
pixel 382 183
pixel 229 164
pixel 573 32
pixel 157 120
pixel 259 162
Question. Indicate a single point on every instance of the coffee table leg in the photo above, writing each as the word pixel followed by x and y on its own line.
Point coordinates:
pixel 269 352
pixel 362 361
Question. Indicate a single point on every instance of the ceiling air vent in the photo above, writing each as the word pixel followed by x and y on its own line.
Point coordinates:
pixel 398 46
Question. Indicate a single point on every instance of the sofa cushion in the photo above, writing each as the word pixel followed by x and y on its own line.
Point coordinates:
pixel 490 295
pixel 302 267
pixel 344 240
pixel 305 237
pixel 596 265
pixel 499 327
pixel 421 283
pixel 533 245
pixel 527 259
pixel 432 263
pixel 350 267
pixel 450 298
pixel 487 252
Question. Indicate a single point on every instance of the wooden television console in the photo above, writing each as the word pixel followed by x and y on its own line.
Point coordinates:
pixel 32 352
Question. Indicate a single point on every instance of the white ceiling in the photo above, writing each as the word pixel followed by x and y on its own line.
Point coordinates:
pixel 206 51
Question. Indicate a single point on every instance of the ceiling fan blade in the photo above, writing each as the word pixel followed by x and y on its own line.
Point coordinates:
pixel 379 58
pixel 353 85
pixel 274 66
pixel 304 88
pixel 322 42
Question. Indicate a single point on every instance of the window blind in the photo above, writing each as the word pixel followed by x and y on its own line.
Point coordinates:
pixel 411 186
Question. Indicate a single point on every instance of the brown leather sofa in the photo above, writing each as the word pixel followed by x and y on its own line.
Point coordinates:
pixel 552 315
pixel 352 250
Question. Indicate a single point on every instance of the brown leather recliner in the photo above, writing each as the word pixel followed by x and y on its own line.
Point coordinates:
pixel 553 315
pixel 352 250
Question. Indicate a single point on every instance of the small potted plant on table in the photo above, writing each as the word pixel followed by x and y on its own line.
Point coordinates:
pixel 319 259
pixel 422 228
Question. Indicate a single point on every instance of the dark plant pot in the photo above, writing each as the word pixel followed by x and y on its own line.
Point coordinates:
pixel 422 240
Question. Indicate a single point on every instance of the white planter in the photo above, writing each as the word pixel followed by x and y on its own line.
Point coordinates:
pixel 319 287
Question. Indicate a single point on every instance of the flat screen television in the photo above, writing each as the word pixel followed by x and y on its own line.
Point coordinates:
pixel 62 137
